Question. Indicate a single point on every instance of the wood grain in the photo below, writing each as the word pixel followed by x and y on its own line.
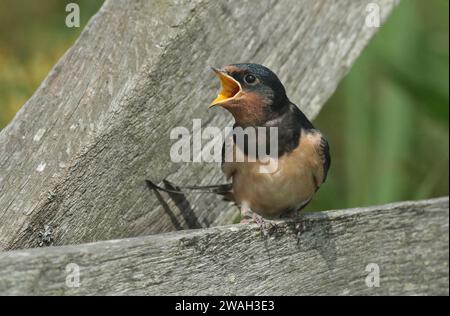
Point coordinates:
pixel 408 241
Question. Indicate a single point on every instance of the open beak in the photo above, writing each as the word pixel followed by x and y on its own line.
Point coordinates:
pixel 230 87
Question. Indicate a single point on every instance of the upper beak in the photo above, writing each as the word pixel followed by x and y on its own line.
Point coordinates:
pixel 230 87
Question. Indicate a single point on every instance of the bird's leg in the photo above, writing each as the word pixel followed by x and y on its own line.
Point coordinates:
pixel 246 214
pixel 249 217
pixel 264 225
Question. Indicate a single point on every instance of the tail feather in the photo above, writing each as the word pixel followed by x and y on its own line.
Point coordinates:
pixel 220 189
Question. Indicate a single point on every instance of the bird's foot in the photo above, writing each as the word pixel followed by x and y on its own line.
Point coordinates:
pixel 246 221
pixel 266 226
pixel 299 228
pixel 246 215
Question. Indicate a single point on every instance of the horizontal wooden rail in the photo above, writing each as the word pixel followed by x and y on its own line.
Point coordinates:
pixel 340 252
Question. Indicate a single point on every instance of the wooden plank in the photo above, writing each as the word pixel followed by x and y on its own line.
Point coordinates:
pixel 74 159
pixel 408 241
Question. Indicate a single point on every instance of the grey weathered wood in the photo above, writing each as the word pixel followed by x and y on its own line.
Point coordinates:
pixel 75 157
pixel 408 241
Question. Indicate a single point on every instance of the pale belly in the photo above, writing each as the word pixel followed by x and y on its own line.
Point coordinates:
pixel 293 184
pixel 271 194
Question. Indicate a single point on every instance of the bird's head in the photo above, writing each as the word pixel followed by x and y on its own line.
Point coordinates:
pixel 252 93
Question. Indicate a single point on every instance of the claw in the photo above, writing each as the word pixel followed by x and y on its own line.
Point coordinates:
pixel 264 225
pixel 246 221
pixel 299 229
pixel 250 217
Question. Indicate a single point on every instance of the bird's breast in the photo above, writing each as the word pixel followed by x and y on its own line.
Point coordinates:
pixel 291 184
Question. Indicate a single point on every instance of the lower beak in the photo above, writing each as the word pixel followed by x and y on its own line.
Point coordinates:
pixel 230 87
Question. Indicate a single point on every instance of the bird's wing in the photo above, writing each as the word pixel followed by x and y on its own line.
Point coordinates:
pixel 324 152
pixel 228 167
pixel 316 154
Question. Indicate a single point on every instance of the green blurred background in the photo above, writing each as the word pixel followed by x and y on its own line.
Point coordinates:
pixel 387 123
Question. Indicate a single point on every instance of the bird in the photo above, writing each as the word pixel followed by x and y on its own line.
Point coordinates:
pixel 256 98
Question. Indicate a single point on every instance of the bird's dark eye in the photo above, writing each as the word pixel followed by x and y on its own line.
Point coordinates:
pixel 250 79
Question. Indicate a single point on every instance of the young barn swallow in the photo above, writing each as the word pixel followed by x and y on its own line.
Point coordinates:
pixel 255 97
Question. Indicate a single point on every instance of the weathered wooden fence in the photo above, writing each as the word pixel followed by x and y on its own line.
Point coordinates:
pixel 74 160
pixel 407 241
